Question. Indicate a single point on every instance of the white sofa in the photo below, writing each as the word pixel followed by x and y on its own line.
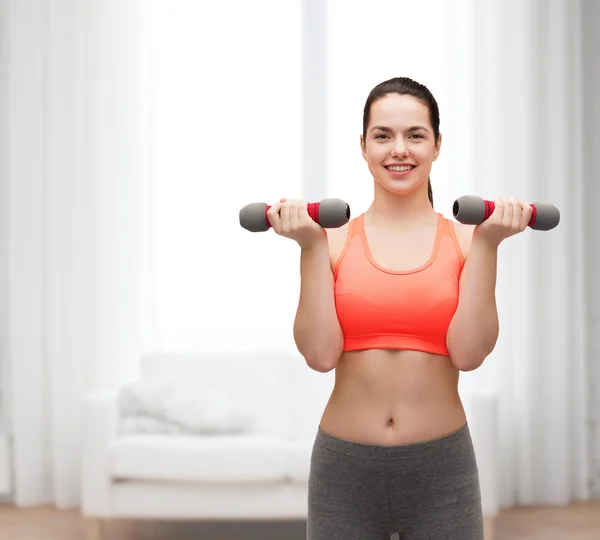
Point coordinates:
pixel 258 475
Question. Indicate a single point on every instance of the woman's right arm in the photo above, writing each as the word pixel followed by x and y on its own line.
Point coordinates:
pixel 317 331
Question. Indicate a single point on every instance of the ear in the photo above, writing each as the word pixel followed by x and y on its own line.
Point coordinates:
pixel 363 148
pixel 438 146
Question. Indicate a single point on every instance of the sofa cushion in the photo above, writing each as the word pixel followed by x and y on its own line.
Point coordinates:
pixel 219 458
pixel 254 383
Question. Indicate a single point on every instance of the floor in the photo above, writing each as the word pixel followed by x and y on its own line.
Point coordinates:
pixel 577 522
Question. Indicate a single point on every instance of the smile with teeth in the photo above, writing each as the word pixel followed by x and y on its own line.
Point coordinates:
pixel 398 168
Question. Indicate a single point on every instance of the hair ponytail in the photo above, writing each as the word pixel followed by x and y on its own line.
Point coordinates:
pixel 429 191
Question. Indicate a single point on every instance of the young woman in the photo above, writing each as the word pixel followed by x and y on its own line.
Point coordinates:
pixel 398 302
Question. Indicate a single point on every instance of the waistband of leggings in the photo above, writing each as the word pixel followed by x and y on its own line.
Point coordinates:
pixel 456 440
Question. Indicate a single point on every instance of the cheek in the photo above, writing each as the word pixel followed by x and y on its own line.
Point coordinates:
pixel 424 152
pixel 376 154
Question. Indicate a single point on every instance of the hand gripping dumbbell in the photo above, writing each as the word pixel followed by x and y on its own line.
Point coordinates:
pixel 329 213
pixel 473 210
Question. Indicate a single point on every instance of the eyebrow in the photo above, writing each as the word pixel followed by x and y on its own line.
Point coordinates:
pixel 388 130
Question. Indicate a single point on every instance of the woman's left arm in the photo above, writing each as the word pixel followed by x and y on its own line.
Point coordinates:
pixel 474 329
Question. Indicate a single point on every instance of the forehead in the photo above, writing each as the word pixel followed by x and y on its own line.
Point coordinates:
pixel 400 111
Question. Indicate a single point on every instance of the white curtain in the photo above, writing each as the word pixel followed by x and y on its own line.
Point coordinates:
pixel 590 12
pixel 515 129
pixel 74 220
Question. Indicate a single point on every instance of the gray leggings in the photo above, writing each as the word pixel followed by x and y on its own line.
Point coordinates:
pixel 421 491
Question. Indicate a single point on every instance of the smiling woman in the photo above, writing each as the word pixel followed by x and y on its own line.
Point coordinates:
pixel 225 118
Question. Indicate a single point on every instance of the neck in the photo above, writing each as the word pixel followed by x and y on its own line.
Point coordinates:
pixel 400 210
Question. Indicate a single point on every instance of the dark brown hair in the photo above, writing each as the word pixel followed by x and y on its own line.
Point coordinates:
pixel 405 86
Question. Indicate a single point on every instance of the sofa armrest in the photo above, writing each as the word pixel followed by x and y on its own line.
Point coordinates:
pixel 101 420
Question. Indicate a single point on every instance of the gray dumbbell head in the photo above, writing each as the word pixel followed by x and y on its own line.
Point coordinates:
pixel 547 216
pixel 253 217
pixel 333 213
pixel 469 209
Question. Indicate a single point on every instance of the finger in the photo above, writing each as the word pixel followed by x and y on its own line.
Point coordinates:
pixel 508 212
pixel 517 213
pixel 303 215
pixel 285 217
pixel 274 218
pixel 294 214
pixel 302 210
pixel 499 210
pixel 283 199
pixel 526 213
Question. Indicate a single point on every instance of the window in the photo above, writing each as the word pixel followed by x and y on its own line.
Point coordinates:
pixel 225 130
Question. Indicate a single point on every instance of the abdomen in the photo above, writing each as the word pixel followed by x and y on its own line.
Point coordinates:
pixel 393 397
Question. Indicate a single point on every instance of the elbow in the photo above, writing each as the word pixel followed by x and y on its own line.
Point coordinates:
pixel 467 363
pixel 320 367
pixel 321 362
pixel 322 354
pixel 469 354
pixel 469 359
pixel 323 359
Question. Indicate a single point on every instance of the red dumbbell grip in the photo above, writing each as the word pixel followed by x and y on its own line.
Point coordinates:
pixel 489 209
pixel 311 208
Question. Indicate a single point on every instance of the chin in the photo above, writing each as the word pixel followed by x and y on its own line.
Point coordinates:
pixel 399 187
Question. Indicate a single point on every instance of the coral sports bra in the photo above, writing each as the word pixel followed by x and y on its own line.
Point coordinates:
pixel 380 308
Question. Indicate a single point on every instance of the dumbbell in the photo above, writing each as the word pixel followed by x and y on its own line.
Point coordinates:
pixel 473 210
pixel 329 213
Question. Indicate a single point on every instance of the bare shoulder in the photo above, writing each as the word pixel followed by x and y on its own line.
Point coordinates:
pixel 464 235
pixel 336 239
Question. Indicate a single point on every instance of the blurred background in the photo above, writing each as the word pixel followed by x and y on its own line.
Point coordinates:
pixel 132 132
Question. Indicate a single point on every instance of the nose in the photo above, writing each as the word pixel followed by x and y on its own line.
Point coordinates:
pixel 400 149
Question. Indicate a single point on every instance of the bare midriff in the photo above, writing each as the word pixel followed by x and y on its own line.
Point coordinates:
pixel 393 397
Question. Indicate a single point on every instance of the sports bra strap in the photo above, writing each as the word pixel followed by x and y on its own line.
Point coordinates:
pixel 452 234
pixel 353 230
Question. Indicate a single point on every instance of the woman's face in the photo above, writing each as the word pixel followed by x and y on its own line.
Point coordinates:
pixel 400 145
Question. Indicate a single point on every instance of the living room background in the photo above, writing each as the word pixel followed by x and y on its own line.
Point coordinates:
pixel 132 132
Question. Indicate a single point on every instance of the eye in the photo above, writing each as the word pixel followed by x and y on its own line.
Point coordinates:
pixel 380 135
pixel 417 135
